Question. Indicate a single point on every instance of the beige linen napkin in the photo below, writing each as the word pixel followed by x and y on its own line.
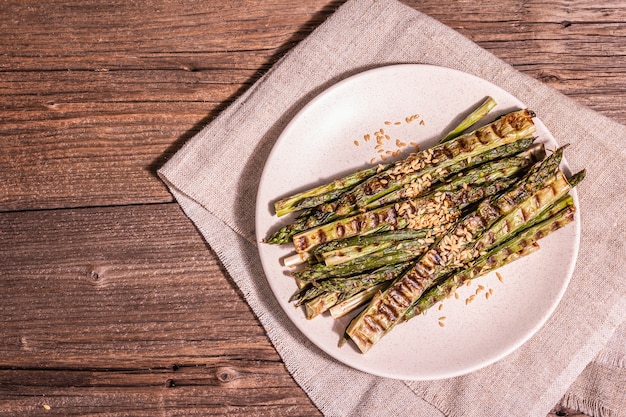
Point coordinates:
pixel 577 357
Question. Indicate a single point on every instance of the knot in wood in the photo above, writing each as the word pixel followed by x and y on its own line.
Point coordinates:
pixel 225 374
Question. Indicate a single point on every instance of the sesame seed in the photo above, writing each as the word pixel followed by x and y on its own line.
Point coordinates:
pixel 500 278
pixel 366 137
pixel 442 324
pixel 397 123
pixel 440 307
pixel 422 122
pixel 387 122
pixel 356 142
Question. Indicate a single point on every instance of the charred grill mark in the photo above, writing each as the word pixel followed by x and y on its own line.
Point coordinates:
pixel 390 314
pixel 321 236
pixel 467 145
pixel 391 216
pixel 301 243
pixel 372 324
pixel 447 153
pixel 481 136
pixel 355 224
pixel 340 231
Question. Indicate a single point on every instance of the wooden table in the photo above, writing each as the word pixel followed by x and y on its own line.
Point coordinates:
pixel 111 300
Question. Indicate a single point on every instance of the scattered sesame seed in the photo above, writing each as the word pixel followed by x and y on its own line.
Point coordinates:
pixel 366 137
pixel 356 142
pixel 442 324
pixel 387 123
pixel 440 307
pixel 397 123
pixel 500 278
pixel 422 122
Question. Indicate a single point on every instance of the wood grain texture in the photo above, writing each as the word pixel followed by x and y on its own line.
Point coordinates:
pixel 112 303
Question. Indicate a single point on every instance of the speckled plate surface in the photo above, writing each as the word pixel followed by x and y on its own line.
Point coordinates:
pixel 411 103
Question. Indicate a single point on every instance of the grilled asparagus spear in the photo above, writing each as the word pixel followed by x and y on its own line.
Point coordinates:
pixel 473 118
pixel 330 191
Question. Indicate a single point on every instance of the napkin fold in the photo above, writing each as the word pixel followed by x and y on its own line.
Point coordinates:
pixel 578 357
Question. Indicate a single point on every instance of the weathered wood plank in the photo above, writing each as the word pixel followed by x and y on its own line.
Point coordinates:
pixel 126 309
pixel 217 387
pixel 135 284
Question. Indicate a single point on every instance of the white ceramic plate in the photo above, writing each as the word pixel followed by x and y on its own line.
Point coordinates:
pixel 319 145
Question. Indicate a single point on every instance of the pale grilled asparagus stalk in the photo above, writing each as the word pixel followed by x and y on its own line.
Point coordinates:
pixel 327 192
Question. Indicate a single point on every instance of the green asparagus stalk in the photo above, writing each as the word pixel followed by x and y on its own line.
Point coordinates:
pixel 471 119
pixel 404 251
pixel 451 251
pixel 350 285
pixel 324 193
pixel 484 173
pixel 346 306
pixel 361 241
